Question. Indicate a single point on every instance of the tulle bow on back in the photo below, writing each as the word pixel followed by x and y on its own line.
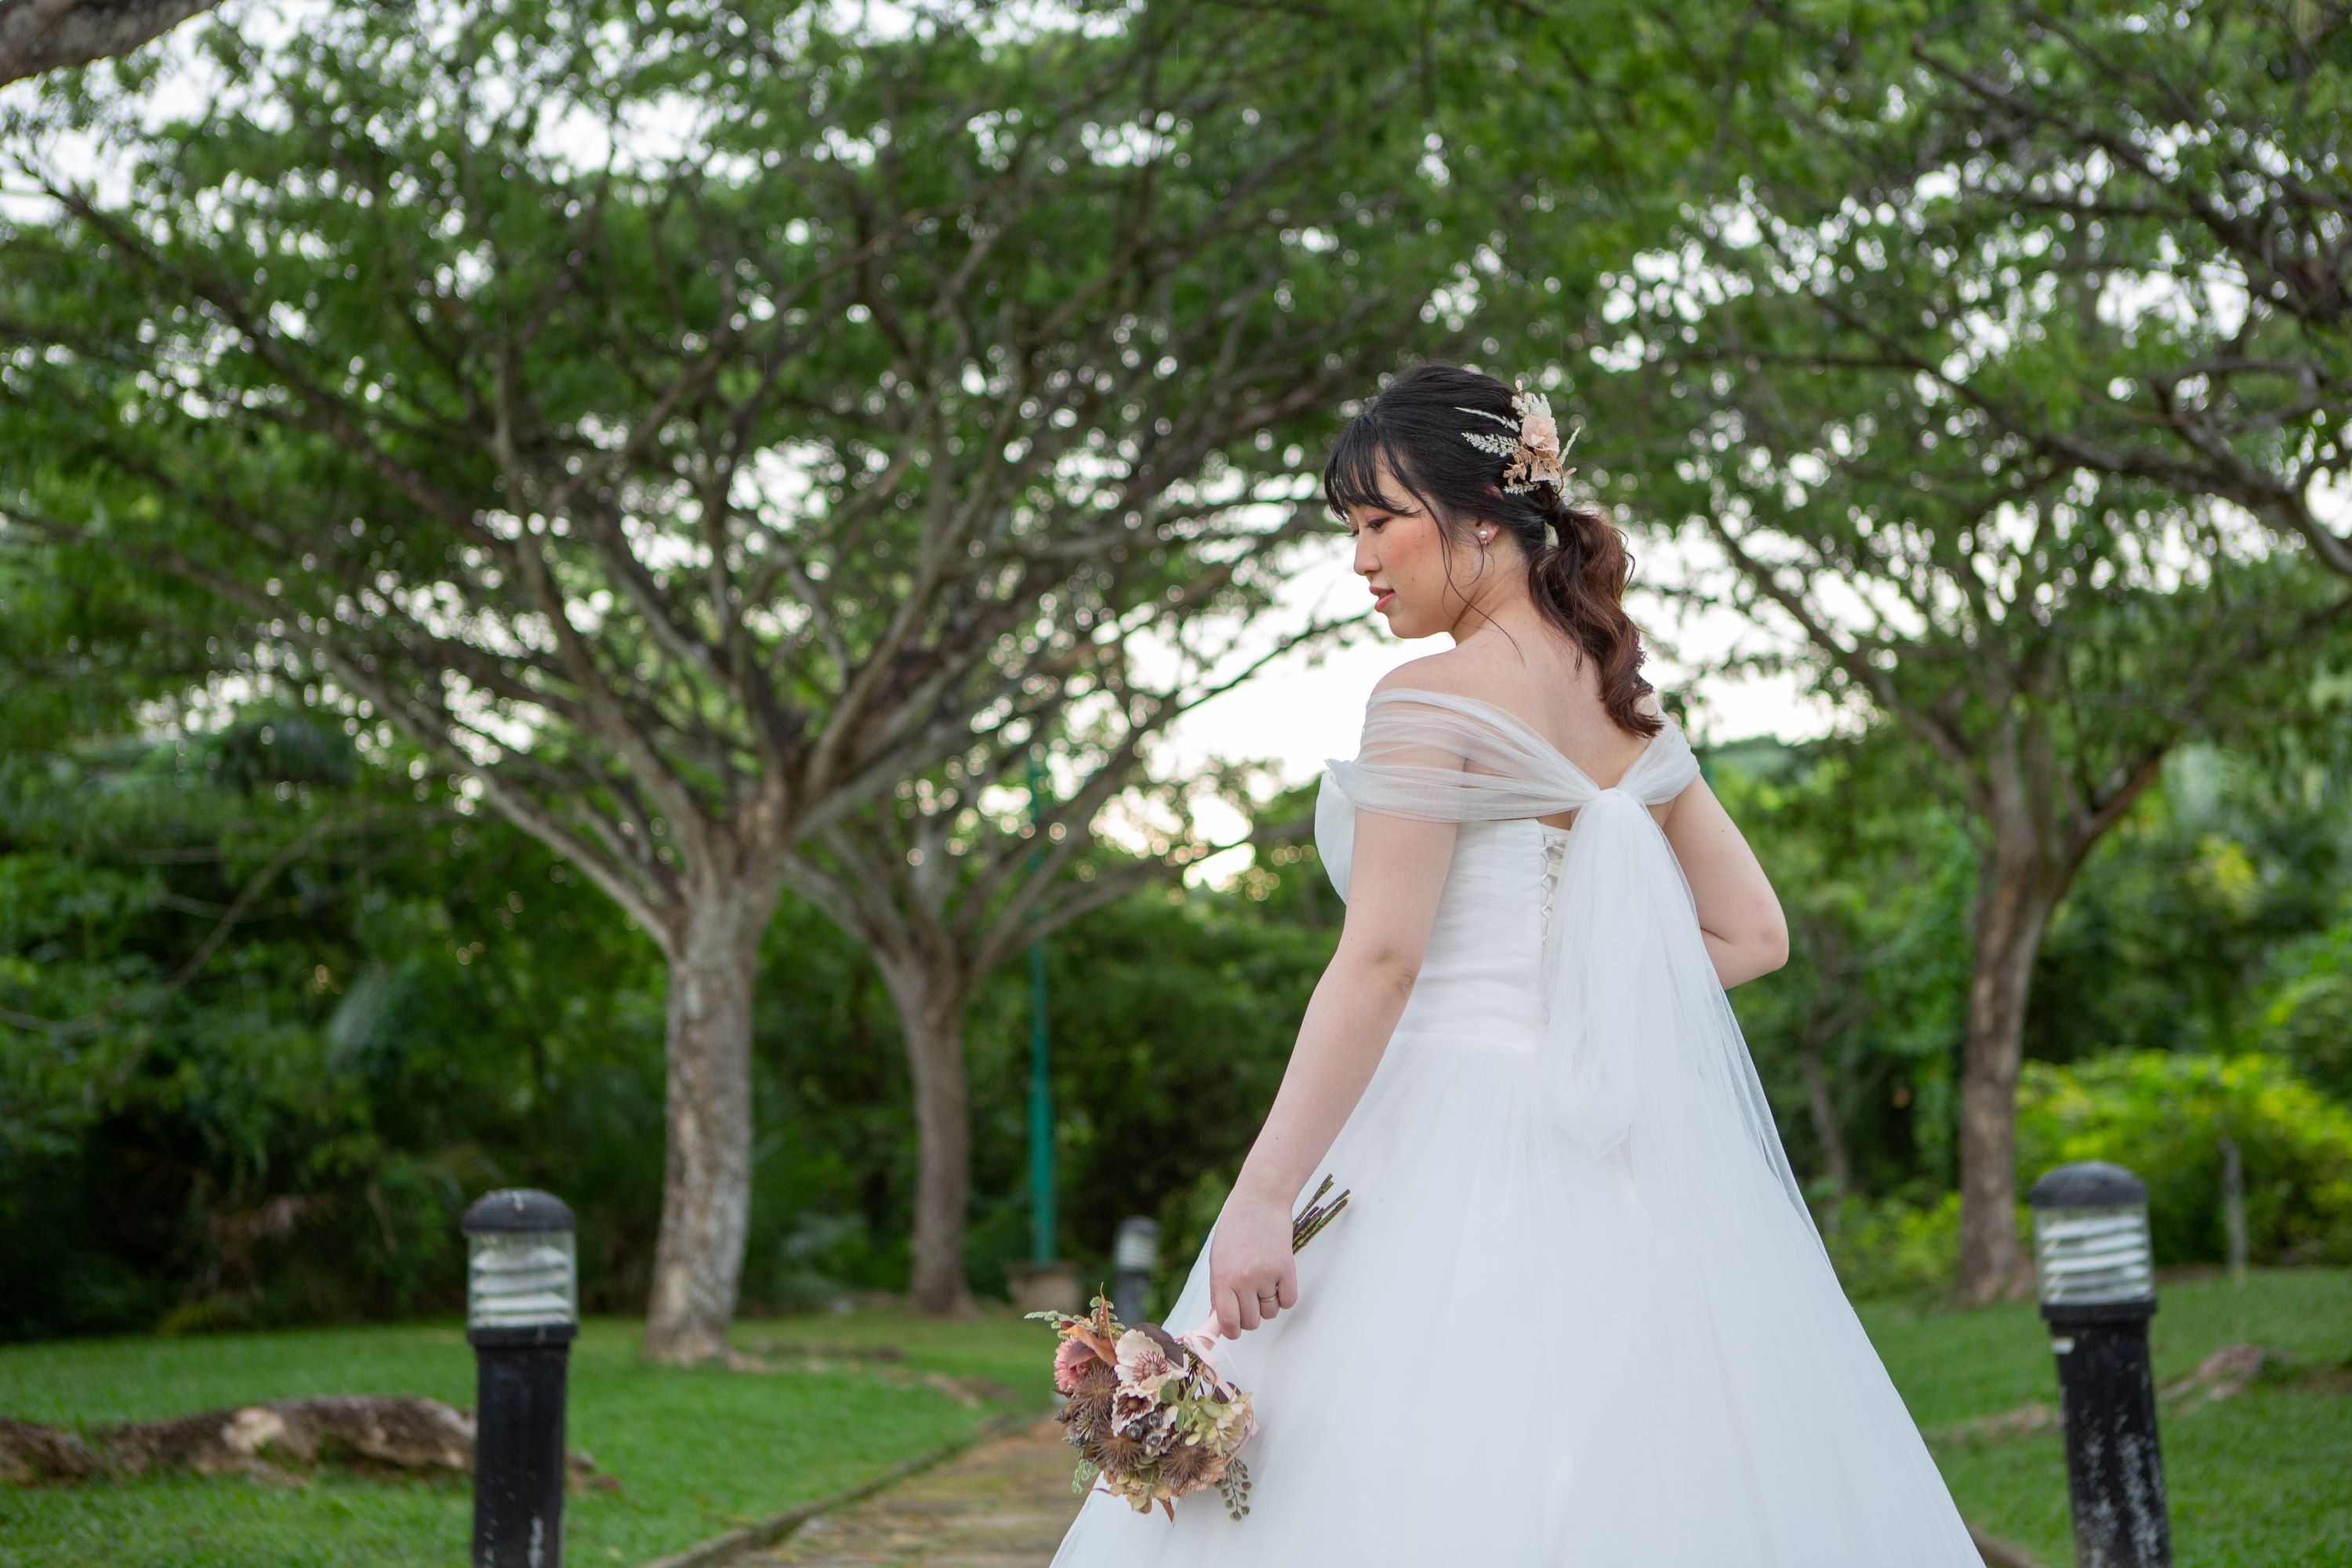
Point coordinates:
pixel 1641 1053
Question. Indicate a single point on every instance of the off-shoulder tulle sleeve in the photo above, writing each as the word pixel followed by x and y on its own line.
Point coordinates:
pixel 1438 757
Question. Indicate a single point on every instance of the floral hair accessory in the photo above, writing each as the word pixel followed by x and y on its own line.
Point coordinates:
pixel 1535 451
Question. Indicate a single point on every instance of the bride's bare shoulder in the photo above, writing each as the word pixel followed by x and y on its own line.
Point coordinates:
pixel 1479 675
pixel 1447 672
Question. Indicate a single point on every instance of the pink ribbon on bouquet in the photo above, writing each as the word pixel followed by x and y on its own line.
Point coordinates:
pixel 1203 1338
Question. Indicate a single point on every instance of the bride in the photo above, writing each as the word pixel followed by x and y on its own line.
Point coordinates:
pixel 1575 1314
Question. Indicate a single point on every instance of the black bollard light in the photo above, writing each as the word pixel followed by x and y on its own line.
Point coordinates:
pixel 522 1309
pixel 2096 1274
pixel 1132 1259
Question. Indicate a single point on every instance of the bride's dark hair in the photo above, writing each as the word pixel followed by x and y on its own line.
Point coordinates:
pixel 1577 575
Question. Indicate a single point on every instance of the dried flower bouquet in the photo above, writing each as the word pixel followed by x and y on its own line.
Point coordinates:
pixel 1151 1414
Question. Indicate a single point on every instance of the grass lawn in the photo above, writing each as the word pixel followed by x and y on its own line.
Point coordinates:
pixel 2260 1481
pixel 695 1451
pixel 2256 1481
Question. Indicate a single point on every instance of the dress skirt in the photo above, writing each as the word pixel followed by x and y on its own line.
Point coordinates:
pixel 1506 1352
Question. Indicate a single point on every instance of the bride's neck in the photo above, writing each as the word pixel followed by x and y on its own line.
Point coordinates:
pixel 1504 607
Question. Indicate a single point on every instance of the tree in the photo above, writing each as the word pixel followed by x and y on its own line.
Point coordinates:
pixel 270 1008
pixel 1851 1037
pixel 945 880
pixel 2199 162
pixel 1878 369
pixel 38 35
pixel 690 423
pixel 1397 230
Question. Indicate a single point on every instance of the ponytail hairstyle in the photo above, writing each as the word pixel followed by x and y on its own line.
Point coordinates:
pixel 1577 561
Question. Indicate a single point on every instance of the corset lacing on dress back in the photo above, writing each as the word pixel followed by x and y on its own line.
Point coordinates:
pixel 1555 849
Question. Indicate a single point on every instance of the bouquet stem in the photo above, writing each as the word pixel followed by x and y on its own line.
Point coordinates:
pixel 1315 1216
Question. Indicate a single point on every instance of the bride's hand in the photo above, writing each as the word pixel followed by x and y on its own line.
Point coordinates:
pixel 1253 1273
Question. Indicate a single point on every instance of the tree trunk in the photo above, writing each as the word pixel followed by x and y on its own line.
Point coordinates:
pixel 706 1175
pixel 931 1017
pixel 1818 1102
pixel 2013 908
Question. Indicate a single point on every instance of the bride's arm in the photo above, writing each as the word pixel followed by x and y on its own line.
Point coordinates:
pixel 1739 913
pixel 1395 878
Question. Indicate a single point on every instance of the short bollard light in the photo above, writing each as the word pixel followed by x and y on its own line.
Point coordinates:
pixel 2096 1274
pixel 522 1311
pixel 1132 1259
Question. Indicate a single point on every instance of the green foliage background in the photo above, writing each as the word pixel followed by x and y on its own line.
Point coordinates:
pixel 421 1004
pixel 277 998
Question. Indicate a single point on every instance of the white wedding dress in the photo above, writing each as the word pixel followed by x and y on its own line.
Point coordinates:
pixel 1575 1314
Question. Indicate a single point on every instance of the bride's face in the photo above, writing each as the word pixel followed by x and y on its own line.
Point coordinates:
pixel 1401 555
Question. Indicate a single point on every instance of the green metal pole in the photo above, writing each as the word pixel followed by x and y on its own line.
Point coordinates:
pixel 1041 1085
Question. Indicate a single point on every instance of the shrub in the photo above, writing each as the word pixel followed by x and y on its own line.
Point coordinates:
pixel 2309 1015
pixel 2163 1115
pixel 1897 1247
pixel 1885 1248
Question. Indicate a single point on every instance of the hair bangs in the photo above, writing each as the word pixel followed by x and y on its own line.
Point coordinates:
pixel 1352 475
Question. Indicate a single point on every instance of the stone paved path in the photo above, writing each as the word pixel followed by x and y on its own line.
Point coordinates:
pixel 1004 1504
